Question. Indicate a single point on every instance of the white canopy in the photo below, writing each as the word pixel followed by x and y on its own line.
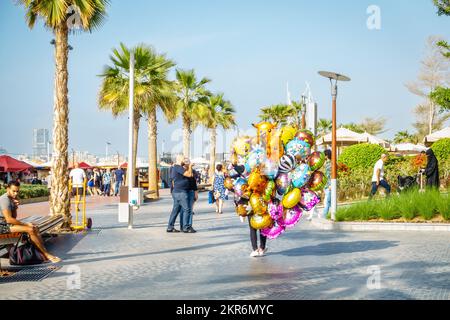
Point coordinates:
pixel 199 161
pixel 375 140
pixel 408 148
pixel 438 135
pixel 344 137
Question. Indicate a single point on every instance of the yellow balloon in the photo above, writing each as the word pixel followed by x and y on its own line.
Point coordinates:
pixel 256 181
pixel 243 210
pixel 257 203
pixel 261 222
pixel 287 134
pixel 241 146
pixel 291 199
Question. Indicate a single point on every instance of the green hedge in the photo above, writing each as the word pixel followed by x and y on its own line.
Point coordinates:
pixel 361 156
pixel 441 149
pixel 30 191
pixel 408 206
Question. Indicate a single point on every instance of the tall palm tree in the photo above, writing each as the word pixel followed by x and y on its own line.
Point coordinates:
pixel 61 16
pixel 192 98
pixel 220 113
pixel 374 126
pixel 280 114
pixel 324 127
pixel 152 90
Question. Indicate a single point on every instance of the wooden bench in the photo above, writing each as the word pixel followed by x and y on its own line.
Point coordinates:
pixel 45 225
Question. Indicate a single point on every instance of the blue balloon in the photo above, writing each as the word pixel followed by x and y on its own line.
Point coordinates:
pixel 298 148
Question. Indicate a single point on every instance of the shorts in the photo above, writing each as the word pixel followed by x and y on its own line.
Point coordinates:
pixel 4 227
pixel 77 189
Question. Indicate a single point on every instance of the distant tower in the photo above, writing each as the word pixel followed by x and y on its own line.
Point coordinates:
pixel 311 110
pixel 41 140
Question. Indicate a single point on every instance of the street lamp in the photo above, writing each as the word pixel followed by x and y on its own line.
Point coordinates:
pixel 336 77
pixel 107 145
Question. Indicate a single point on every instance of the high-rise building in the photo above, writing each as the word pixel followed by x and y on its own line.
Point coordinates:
pixel 41 139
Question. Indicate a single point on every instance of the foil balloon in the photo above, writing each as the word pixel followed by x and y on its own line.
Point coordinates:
pixel 228 183
pixel 257 203
pixel 298 148
pixel 316 160
pixel 241 146
pixel 275 210
pixel 264 133
pixel 256 181
pixel 300 175
pixel 270 168
pixel 287 134
pixel 255 158
pixel 317 181
pixel 234 171
pixel 307 136
pixel 240 186
pixel 268 192
pixel 243 210
pixel 287 163
pixel 292 216
pixel 282 182
pixel 292 198
pixel 275 149
pixel 274 232
pixel 309 199
pixel 259 222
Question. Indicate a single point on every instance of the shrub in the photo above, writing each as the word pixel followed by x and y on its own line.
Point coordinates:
pixel 361 156
pixel 441 149
pixel 30 191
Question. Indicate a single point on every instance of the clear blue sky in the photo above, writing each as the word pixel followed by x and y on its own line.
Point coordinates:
pixel 250 49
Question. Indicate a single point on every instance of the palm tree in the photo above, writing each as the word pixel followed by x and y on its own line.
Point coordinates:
pixel 353 127
pixel 324 127
pixel 404 137
pixel 89 15
pixel 192 97
pixel 152 90
pixel 373 126
pixel 280 114
pixel 220 113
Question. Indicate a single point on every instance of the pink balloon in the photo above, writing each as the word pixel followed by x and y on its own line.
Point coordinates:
pixel 292 217
pixel 275 210
pixel 274 232
pixel 309 199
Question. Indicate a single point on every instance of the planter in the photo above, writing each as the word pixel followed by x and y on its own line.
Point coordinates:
pixel 34 200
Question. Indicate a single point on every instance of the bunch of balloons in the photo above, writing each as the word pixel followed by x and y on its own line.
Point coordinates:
pixel 275 177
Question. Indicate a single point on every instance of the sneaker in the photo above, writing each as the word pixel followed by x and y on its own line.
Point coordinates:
pixel 173 230
pixel 262 252
pixel 190 230
pixel 254 254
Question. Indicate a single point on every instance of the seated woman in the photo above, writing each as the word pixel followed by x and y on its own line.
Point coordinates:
pixel 9 224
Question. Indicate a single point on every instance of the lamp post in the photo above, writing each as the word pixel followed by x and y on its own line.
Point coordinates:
pixel 336 77
pixel 107 145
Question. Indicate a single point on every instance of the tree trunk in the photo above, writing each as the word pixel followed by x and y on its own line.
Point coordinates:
pixel 431 120
pixel 186 136
pixel 212 154
pixel 60 197
pixel 152 155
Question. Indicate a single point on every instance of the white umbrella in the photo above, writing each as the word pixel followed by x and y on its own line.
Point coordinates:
pixel 344 137
pixel 438 135
pixel 375 140
pixel 200 161
pixel 408 148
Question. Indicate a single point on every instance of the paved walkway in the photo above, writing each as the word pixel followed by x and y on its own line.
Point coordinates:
pixel 305 263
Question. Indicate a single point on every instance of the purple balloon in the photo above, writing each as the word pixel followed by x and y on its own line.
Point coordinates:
pixel 275 210
pixel 309 199
pixel 283 182
pixel 292 217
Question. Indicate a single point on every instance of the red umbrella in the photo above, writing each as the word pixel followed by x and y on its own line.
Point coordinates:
pixel 124 165
pixel 8 164
pixel 82 165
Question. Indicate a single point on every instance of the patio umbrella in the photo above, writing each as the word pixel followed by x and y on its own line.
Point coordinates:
pixel 375 140
pixel 408 148
pixel 9 164
pixel 438 135
pixel 344 138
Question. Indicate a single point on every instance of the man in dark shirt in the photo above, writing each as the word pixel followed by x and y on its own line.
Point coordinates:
pixel 181 185
pixel 119 180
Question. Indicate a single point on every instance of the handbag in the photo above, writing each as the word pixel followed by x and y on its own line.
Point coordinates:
pixel 26 254
pixel 211 198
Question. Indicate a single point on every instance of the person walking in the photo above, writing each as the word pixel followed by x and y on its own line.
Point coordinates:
pixel 219 188
pixel 180 194
pixel 378 177
pixel 107 183
pixel 262 249
pixel 78 177
pixel 192 193
pixel 97 182
pixel 432 170
pixel 119 180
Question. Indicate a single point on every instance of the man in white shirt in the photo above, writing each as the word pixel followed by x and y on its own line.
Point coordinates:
pixel 78 177
pixel 378 177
